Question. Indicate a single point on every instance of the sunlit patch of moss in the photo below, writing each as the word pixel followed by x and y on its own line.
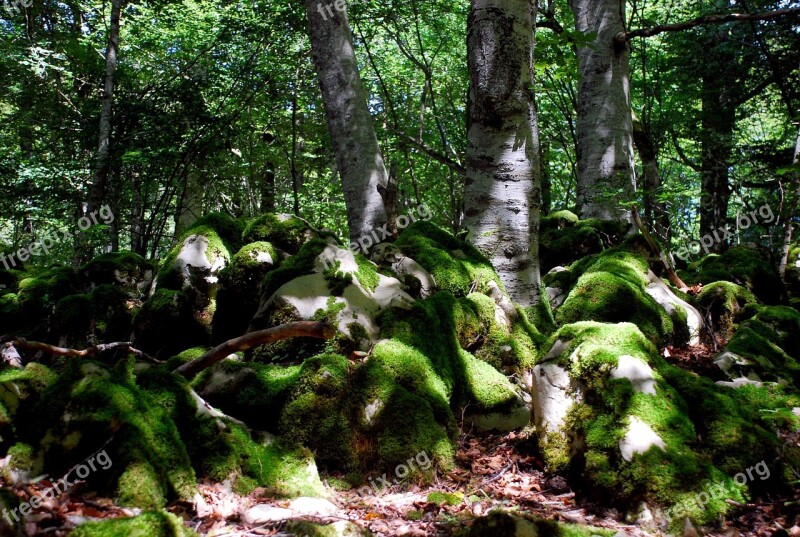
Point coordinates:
pixel 454 264
pixel 447 498
pixel 289 234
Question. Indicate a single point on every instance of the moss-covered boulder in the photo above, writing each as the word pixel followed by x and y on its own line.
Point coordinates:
pixel 615 286
pixel 340 287
pixel 37 297
pixel 722 301
pixel 565 238
pixel 766 345
pixel 506 524
pixel 148 524
pixel 634 429
pixel 750 268
pixel 455 265
pixel 125 270
pixel 287 232
pixel 240 289
pixel 168 323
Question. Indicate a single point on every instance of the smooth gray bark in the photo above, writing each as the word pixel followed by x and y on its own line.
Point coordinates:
pixel 606 173
pixel 355 145
pixel 503 191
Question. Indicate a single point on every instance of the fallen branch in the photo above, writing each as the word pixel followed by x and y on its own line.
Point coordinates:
pixel 656 250
pixel 254 339
pixel 623 37
pixel 24 344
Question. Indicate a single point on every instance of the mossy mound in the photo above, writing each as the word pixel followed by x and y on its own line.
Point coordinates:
pixel 611 287
pixel 287 232
pixel 126 270
pixel 723 301
pixel 565 238
pixel 768 338
pixel 101 316
pixel 499 523
pixel 38 295
pixel 240 288
pixel 148 524
pixel 454 264
pixel 199 253
pixel 632 428
pixel 166 324
pixel 748 267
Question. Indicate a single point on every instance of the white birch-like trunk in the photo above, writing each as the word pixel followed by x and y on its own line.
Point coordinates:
pixel 355 144
pixel 606 173
pixel 503 192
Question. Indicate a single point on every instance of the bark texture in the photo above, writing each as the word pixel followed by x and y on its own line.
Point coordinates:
pixel 606 173
pixel 792 204
pixel 355 144
pixel 503 191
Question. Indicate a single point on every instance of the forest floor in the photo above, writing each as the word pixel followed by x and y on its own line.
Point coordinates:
pixel 493 472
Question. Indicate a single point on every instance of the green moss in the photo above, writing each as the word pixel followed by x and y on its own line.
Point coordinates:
pixel 115 268
pixel 240 287
pixel 743 266
pixel 21 457
pixel 367 273
pixel 223 235
pixel 289 234
pixel 74 315
pixel 447 498
pixel 454 264
pixel 769 339
pixel 20 389
pixel 166 324
pixel 298 265
pixel 489 389
pixel 723 301
pixel 38 296
pixel 149 524
pixel 612 289
pixel 253 392
pixel 139 486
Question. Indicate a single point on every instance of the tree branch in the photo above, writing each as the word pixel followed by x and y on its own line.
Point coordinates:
pixel 254 339
pixel 22 343
pixel 624 37
pixel 428 150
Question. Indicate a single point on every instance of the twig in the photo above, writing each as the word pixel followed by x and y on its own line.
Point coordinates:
pixel 24 344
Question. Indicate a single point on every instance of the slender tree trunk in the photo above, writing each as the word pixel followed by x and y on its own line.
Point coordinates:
pixel 190 204
pixel 103 159
pixel 791 209
pixel 267 204
pixel 718 121
pixel 606 173
pixel 655 212
pixel 355 145
pixel 137 217
pixel 503 192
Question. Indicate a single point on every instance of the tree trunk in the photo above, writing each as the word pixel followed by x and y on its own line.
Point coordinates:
pixel 718 120
pixel 267 204
pixel 503 192
pixel 355 145
pixel 103 159
pixel 606 173
pixel 655 212
pixel 791 208
pixel 190 204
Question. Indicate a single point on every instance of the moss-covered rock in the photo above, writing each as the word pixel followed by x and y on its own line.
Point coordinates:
pixel 565 239
pixel 240 289
pixel 287 232
pixel 454 264
pixel 636 429
pixel 723 301
pixel 612 287
pixel 148 524
pixel 38 295
pixel 515 525
pixel 125 270
pixel 768 339
pixel 166 324
pixel 750 268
